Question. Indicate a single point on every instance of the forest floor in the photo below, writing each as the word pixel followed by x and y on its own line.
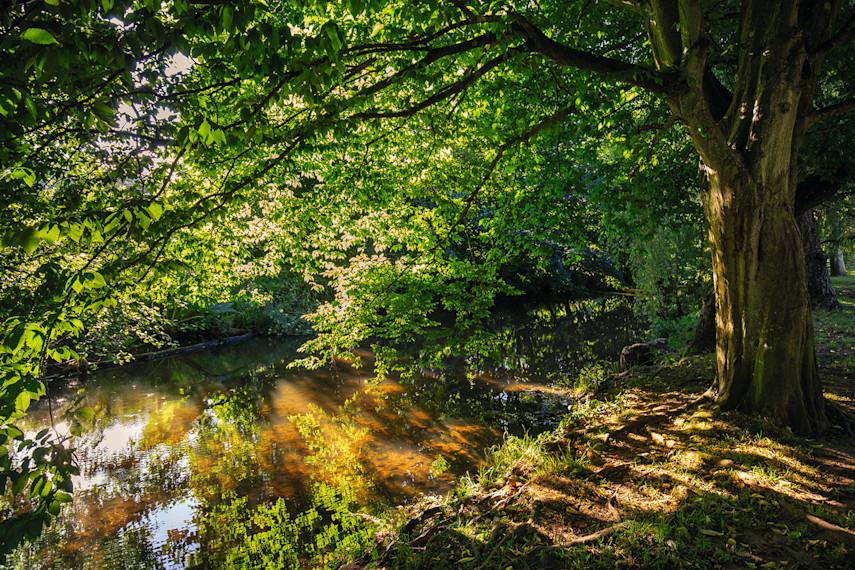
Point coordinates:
pixel 649 473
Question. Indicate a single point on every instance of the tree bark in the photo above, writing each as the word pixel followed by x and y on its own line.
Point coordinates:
pixel 703 338
pixel 765 354
pixel 838 263
pixel 820 289
pixel 765 349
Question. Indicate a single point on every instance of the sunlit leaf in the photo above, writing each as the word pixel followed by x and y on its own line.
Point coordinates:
pixel 39 36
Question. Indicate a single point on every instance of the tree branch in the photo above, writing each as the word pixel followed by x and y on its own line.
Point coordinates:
pixel 844 35
pixel 828 112
pixel 812 192
pixel 658 82
pixel 444 93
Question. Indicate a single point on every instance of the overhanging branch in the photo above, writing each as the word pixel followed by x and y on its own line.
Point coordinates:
pixel 812 192
pixel 845 35
pixel 440 95
pixel 828 112
pixel 657 82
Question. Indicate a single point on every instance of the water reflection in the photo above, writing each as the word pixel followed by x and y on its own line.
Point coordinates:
pixel 188 458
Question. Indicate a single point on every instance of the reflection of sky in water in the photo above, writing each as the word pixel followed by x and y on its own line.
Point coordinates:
pixel 164 521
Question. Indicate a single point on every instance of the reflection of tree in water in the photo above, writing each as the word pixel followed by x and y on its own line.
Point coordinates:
pixel 129 548
pixel 244 439
pixel 551 346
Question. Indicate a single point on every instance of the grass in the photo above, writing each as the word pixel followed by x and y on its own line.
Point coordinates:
pixel 649 474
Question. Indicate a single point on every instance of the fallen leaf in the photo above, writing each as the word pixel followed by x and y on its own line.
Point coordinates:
pixel 710 532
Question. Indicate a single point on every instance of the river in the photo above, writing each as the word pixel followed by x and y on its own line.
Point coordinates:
pixel 189 458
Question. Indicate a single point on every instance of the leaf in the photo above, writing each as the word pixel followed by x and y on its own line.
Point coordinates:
pixel 155 210
pixel 204 129
pixel 16 339
pixel 376 29
pixel 14 433
pixel 356 7
pixel 62 498
pixel 103 111
pixel 54 508
pixel 84 413
pixel 31 106
pixel 39 36
pixel 26 238
pixel 22 402
pixel 75 231
pixel 710 532
pixel 25 174
pixel 20 483
pixel 217 137
pixel 38 486
pixel 49 233
pixel 95 280
pixel 228 16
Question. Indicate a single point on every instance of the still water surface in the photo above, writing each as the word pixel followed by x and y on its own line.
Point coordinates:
pixel 176 441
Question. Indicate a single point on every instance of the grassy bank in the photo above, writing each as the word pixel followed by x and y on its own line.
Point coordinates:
pixel 647 472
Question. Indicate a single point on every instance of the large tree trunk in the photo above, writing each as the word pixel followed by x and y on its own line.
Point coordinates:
pixel 749 140
pixel 838 263
pixel 820 289
pixel 765 350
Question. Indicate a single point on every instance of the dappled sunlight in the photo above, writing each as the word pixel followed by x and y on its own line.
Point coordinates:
pixel 662 475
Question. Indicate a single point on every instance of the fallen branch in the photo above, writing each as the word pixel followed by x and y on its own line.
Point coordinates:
pixel 597 535
pixel 847 535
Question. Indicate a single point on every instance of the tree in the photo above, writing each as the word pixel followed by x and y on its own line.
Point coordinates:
pixel 336 90
pixel 820 288
pixel 747 115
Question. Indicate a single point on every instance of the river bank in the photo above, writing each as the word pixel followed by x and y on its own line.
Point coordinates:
pixel 647 472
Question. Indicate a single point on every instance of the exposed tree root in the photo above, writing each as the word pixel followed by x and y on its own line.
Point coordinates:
pixel 838 416
pixel 843 533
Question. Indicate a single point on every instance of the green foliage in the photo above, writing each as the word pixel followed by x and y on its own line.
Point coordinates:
pixel 678 331
pixel 272 537
pixel 39 473
pixel 671 272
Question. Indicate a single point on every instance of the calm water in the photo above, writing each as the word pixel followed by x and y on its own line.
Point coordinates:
pixel 182 448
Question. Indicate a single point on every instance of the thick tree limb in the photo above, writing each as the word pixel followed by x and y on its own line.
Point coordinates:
pixel 658 82
pixel 835 110
pixel 844 35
